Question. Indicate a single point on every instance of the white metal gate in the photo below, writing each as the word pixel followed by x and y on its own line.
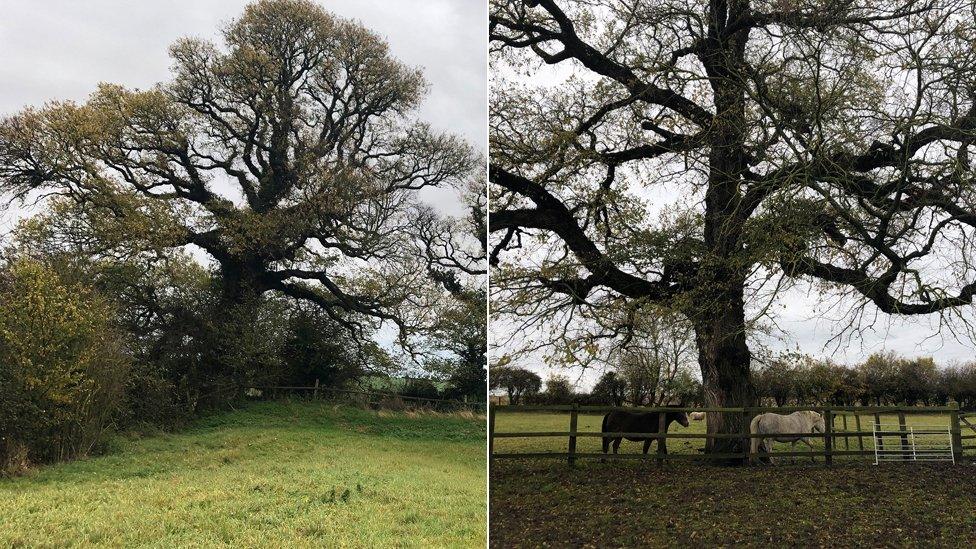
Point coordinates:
pixel 896 442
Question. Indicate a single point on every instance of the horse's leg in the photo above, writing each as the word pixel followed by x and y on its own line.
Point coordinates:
pixel 793 451
pixel 616 444
pixel 767 448
pixel 647 445
pixel 810 446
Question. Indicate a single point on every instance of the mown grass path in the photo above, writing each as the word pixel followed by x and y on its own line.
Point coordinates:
pixel 616 504
pixel 271 475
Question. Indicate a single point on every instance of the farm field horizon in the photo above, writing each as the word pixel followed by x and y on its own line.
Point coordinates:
pixel 287 474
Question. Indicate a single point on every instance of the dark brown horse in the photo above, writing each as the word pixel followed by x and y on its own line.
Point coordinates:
pixel 637 422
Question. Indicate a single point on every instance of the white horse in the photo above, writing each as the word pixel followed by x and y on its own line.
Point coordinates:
pixel 806 421
pixel 697 416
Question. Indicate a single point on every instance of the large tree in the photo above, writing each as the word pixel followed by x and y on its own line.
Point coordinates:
pixel 291 154
pixel 696 154
pixel 517 382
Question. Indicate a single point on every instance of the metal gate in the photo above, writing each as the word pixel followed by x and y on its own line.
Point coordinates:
pixel 898 442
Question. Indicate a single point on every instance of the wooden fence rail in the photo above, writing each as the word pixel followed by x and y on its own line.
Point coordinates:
pixel 830 437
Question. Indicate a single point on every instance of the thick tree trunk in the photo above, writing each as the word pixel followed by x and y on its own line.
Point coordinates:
pixel 724 359
pixel 719 315
pixel 234 318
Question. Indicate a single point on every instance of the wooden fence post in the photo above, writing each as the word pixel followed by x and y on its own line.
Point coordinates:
pixel 746 440
pixel 573 418
pixel 860 438
pixel 315 392
pixel 904 435
pixel 829 436
pixel 955 432
pixel 662 443
pixel 491 430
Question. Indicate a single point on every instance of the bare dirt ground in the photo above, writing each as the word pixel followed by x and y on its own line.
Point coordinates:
pixel 542 503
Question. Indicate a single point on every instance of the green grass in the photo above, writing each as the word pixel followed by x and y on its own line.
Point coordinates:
pixel 270 475
pixel 539 422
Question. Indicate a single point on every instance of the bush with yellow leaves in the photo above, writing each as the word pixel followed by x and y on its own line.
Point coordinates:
pixel 63 366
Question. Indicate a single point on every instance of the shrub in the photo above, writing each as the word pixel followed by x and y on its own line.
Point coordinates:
pixel 152 399
pixel 63 367
pixel 316 347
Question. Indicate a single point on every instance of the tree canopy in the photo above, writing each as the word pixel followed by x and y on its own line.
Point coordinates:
pixel 290 153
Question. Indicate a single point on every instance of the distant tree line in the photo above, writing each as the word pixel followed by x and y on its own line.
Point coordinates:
pixel 655 369
pixel 631 388
pixel 883 379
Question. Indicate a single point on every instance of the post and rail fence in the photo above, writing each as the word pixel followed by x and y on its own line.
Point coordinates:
pixel 375 398
pixel 853 442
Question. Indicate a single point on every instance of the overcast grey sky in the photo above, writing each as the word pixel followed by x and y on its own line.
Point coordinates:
pixel 61 49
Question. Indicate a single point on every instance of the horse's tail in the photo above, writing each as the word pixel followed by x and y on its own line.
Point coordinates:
pixel 603 429
pixel 754 442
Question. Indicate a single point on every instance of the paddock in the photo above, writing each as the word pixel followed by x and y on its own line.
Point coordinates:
pixel 572 433
pixel 626 503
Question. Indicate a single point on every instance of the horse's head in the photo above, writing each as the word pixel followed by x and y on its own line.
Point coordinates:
pixel 677 415
pixel 680 417
pixel 817 424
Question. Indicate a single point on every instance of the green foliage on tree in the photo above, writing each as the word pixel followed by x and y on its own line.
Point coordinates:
pixel 610 389
pixel 316 348
pixel 517 382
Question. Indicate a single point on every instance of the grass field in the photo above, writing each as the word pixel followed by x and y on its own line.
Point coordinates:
pixel 537 503
pixel 270 475
pixel 541 422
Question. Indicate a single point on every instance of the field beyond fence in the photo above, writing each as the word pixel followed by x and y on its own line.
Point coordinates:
pixel 372 399
pixel 881 433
